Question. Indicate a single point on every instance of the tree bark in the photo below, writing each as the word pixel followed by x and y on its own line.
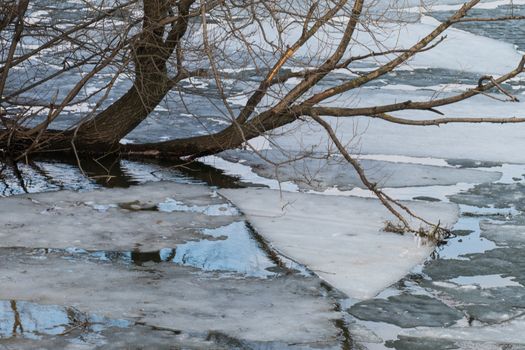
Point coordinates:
pixel 231 137
pixel 151 83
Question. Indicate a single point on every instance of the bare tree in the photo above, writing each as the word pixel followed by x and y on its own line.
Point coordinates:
pixel 99 68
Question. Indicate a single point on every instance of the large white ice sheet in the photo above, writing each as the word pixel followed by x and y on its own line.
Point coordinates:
pixel 487 142
pixel 339 238
pixel 112 219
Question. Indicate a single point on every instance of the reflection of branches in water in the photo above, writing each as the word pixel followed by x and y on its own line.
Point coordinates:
pixel 197 171
pixel 104 171
pixel 77 320
pixel 4 179
pixel 59 173
pixel 11 172
pixel 42 172
pixel 107 171
pixel 17 324
pixel 18 174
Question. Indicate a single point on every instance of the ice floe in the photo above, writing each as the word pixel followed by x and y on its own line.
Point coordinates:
pixel 318 172
pixel 113 219
pixel 179 299
pixel 339 238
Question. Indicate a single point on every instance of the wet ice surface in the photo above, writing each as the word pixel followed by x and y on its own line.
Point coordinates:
pixel 228 249
pixel 469 279
pixel 180 298
pixel 315 172
pixel 236 251
pixel 471 294
pixel 184 223
pixel 410 310
pixel 206 281
pixel 118 219
pixel 474 286
pixel 36 321
pixel 227 252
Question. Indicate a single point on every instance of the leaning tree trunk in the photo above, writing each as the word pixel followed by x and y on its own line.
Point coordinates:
pixel 150 86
